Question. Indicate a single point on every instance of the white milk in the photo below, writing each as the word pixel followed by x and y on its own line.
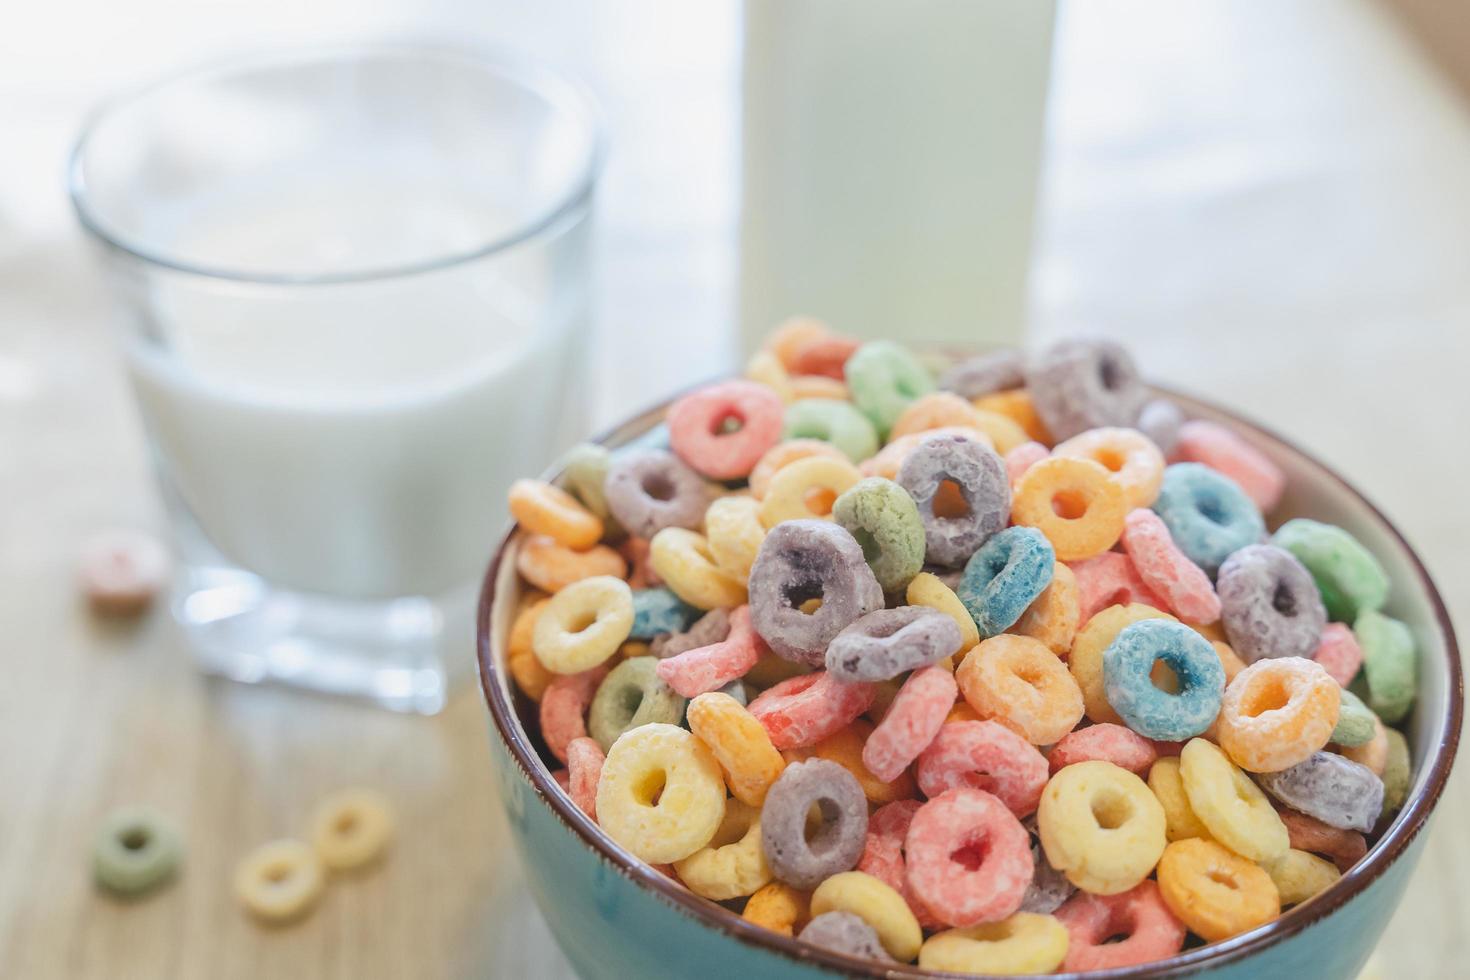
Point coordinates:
pixel 353 439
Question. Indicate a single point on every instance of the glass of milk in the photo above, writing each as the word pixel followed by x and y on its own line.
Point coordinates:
pixel 354 287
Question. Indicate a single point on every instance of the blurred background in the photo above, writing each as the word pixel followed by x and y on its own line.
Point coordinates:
pixel 1268 202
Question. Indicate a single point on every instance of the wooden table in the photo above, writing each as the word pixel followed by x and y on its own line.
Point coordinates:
pixel 1272 206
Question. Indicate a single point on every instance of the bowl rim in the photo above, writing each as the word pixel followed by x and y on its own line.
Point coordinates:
pixel 1410 822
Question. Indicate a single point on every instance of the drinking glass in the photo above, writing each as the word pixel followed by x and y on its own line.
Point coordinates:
pixel 353 291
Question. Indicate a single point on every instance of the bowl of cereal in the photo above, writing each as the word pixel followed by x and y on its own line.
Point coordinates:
pixel 883 665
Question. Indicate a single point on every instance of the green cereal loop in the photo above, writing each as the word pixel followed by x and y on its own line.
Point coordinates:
pixel 1390 668
pixel 834 421
pixel 584 468
pixel 136 849
pixel 884 379
pixel 1348 576
pixel 631 696
pixel 1356 725
pixel 1397 771
pixel 885 521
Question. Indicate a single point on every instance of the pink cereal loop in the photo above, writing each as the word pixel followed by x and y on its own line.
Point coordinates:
pixel 1164 569
pixel 584 768
pixel 968 858
pixel 1109 579
pixel 1106 742
pixel 1139 913
pixel 803 710
pixel 564 708
pixel 1227 453
pixel 911 723
pixel 1022 458
pixel 883 854
pixel 1339 653
pixel 697 436
pixel 563 779
pixel 984 755
pixel 709 668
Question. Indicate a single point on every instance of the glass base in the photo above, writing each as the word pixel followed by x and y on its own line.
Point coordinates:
pixel 404 654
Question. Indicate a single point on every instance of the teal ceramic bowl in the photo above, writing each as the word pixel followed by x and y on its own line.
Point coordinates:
pixel 615 917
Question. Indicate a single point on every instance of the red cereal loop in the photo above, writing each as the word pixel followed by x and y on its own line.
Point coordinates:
pixel 912 721
pixel 584 768
pixel 984 755
pixel 1109 579
pixel 967 858
pixel 562 778
pixel 698 436
pixel 1345 848
pixel 709 668
pixel 1339 653
pixel 1152 932
pixel 564 708
pixel 1022 458
pixel 1225 452
pixel 826 356
pixel 883 854
pixel 1106 742
pixel 803 710
pixel 1162 567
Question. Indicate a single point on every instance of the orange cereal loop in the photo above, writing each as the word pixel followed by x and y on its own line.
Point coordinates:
pixel 551 566
pixel 739 743
pixel 530 676
pixel 1053 617
pixel 1074 502
pixel 1019 682
pixel 1276 713
pixel 1214 632
pixel 543 508
pixel 817 386
pixel 1129 456
pixel 635 552
pixel 1229 659
pixel 933 411
pixel 888 459
pixel 1016 405
pixel 783 453
pixel 1086 659
pixel 1216 893
pixel 779 908
pixel 962 712
pixel 633 648
pixel 1372 753
pixel 824 356
pixel 846 749
pixel 791 335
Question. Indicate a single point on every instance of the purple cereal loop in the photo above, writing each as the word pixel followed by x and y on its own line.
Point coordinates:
pixel 837 844
pixel 889 642
pixel 847 933
pixel 1160 420
pixel 801 560
pixel 1078 385
pixel 1049 887
pixel 981 477
pixel 1337 791
pixel 650 489
pixel 1269 604
pixel 710 628
pixel 976 377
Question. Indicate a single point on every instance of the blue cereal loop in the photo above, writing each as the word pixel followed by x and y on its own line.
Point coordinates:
pixel 1153 713
pixel 1005 576
pixel 658 611
pixel 1208 515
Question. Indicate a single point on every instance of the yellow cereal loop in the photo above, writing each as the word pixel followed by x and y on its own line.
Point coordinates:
pixel 280 881
pixel 766 368
pixel 739 743
pixel 817 386
pixel 1179 818
pixel 1003 431
pixel 661 794
pixel 1016 405
pixel 732 864
pixel 583 624
pixel 806 489
pixel 1052 617
pixel 1101 827
pixel 1086 659
pixel 779 908
pixel 1074 502
pixel 875 903
pixel 732 526
pixel 351 828
pixel 1215 893
pixel 530 676
pixel 1231 806
pixel 936 410
pixel 682 558
pixel 1026 943
pixel 1299 876
pixel 925 589
pixel 543 508
pixel 1133 462
pixel 845 748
